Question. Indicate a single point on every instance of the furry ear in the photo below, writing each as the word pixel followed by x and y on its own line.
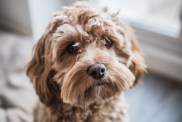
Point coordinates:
pixel 137 62
pixel 135 56
pixel 40 71
pixel 132 50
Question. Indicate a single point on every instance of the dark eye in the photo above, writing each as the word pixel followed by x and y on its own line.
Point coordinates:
pixel 72 49
pixel 108 42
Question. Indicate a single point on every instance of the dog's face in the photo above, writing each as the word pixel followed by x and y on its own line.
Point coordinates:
pixel 85 57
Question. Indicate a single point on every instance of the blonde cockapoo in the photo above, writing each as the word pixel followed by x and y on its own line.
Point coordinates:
pixel 82 64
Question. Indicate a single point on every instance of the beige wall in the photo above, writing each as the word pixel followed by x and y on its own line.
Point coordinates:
pixel 14 15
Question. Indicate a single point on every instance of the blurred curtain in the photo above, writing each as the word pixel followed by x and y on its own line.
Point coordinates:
pixel 181 21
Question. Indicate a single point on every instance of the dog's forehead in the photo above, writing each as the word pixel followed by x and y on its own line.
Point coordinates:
pixel 65 29
pixel 96 24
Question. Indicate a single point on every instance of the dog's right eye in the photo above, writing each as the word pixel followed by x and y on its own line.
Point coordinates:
pixel 108 41
pixel 72 49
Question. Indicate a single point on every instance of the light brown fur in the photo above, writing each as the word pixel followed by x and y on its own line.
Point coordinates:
pixel 67 92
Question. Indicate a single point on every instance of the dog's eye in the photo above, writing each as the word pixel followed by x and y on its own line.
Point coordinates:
pixel 108 42
pixel 72 49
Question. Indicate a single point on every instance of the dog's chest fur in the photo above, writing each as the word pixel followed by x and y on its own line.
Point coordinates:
pixel 113 110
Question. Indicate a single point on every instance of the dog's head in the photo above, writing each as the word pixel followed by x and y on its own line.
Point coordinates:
pixel 85 56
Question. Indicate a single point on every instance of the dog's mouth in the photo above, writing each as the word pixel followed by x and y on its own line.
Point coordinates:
pixel 99 83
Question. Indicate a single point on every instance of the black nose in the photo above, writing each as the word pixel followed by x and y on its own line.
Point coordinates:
pixel 97 71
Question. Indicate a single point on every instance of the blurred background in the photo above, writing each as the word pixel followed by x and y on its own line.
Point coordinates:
pixel 158 26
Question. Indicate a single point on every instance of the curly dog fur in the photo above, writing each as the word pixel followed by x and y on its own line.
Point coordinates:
pixel 82 64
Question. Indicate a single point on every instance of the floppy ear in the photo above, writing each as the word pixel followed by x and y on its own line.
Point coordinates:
pixel 40 71
pixel 137 62
pixel 135 56
pixel 131 49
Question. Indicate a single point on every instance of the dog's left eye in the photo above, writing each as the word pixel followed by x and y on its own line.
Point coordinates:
pixel 72 49
pixel 108 42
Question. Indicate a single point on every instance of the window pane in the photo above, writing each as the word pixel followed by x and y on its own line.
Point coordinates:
pixel 162 16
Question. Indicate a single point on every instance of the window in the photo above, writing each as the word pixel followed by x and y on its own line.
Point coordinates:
pixel 162 16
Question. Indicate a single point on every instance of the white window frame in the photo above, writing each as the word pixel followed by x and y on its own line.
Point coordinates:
pixel 163 53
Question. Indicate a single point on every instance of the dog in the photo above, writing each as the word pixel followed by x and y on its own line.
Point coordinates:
pixel 82 64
